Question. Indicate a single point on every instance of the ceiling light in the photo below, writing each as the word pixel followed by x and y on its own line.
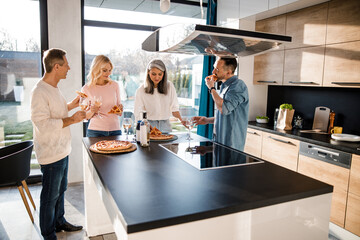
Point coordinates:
pixel 164 5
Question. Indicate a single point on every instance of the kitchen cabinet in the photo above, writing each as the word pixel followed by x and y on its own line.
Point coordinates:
pixel 304 66
pixel 253 142
pixel 280 150
pixel 333 175
pixel 342 64
pixel 268 68
pixel 352 222
pixel 353 214
pixel 307 26
pixel 343 21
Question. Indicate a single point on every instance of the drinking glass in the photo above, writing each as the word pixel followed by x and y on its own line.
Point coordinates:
pixel 98 102
pixel 127 123
pixel 189 123
pixel 84 104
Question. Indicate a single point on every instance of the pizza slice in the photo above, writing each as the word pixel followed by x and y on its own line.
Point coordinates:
pixel 155 131
pixel 213 77
pixel 156 134
pixel 115 109
pixel 81 94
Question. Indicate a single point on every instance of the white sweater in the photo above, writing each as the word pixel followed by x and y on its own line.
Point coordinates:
pixel 52 142
pixel 158 106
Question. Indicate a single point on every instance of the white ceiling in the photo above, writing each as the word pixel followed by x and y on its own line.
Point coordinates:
pixel 149 6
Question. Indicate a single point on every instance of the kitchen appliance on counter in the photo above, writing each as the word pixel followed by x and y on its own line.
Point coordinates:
pixel 209 155
pixel 211 40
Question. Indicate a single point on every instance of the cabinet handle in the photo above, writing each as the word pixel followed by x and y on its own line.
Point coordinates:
pixel 280 140
pixel 308 83
pixel 346 83
pixel 324 151
pixel 255 133
pixel 266 81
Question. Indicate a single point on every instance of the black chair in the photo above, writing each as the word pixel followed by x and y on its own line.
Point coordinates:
pixel 15 168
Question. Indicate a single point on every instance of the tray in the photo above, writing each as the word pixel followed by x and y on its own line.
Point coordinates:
pixel 345 137
pixel 131 149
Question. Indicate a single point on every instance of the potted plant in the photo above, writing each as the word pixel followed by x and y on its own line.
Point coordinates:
pixel 19 90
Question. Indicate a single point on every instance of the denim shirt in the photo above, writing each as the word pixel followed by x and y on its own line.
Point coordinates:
pixel 231 124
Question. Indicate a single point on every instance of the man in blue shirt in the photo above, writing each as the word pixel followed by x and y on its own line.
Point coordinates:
pixel 232 105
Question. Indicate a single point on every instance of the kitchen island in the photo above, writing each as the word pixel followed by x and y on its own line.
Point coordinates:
pixel 153 194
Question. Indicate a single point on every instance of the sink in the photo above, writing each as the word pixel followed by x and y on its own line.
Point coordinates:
pixel 209 155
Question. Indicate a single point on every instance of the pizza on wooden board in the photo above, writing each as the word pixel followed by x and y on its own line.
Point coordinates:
pixel 81 94
pixel 114 109
pixel 112 145
pixel 156 134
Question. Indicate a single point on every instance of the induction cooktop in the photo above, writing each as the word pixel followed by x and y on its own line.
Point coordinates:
pixel 209 155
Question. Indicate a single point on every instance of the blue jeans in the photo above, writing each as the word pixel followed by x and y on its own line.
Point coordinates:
pixel 54 185
pixel 96 133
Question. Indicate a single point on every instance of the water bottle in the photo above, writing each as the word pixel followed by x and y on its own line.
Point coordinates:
pixel 144 131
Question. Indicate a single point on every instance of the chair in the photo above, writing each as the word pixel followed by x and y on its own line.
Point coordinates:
pixel 15 168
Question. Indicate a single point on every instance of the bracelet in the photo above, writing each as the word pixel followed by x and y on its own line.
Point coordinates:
pixel 212 89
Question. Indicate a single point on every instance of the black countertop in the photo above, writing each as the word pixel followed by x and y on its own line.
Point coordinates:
pixel 153 188
pixel 324 140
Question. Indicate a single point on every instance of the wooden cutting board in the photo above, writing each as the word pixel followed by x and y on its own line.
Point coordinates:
pixel 321 118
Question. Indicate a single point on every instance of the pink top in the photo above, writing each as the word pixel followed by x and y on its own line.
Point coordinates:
pixel 110 96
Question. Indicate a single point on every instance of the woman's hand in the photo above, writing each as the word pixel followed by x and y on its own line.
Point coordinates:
pixel 94 108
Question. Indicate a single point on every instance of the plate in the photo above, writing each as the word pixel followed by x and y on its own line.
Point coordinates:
pixel 345 137
pixel 165 140
pixel 262 120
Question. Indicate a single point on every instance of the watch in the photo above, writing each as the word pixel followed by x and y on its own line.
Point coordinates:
pixel 212 89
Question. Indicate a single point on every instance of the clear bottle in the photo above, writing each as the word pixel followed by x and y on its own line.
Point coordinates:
pixel 144 131
pixel 138 132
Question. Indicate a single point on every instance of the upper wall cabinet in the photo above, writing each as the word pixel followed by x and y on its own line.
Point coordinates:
pixel 304 66
pixel 274 25
pixel 342 64
pixel 307 26
pixel 344 21
pixel 268 68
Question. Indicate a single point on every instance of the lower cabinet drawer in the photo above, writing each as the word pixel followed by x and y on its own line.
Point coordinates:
pixel 280 150
pixel 253 142
pixel 333 175
pixel 352 222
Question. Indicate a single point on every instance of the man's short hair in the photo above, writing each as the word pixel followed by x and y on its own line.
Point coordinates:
pixel 51 57
pixel 230 62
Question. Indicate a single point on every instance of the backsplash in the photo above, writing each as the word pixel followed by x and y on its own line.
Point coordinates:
pixel 345 102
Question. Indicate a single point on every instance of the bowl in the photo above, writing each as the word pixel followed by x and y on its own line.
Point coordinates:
pixel 262 120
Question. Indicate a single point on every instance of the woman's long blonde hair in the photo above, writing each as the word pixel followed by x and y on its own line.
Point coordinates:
pixel 95 70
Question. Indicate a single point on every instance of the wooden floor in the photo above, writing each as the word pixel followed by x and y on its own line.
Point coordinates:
pixel 15 223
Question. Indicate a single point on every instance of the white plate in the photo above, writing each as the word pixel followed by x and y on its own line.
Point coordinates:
pixel 345 137
pixel 262 120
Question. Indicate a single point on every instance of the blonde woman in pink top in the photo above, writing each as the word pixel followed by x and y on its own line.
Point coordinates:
pixel 102 95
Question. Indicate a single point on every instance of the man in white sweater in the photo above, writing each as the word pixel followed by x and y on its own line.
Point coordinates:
pixel 52 141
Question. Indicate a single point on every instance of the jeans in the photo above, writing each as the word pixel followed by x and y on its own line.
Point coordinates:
pixel 54 184
pixel 96 133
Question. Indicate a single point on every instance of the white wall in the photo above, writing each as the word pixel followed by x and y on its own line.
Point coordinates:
pixel 64 21
pixel 257 93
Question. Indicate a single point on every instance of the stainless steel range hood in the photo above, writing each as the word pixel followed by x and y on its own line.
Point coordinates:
pixel 211 40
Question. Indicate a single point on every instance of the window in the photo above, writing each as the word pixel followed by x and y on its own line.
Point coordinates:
pixel 20 69
pixel 122 29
